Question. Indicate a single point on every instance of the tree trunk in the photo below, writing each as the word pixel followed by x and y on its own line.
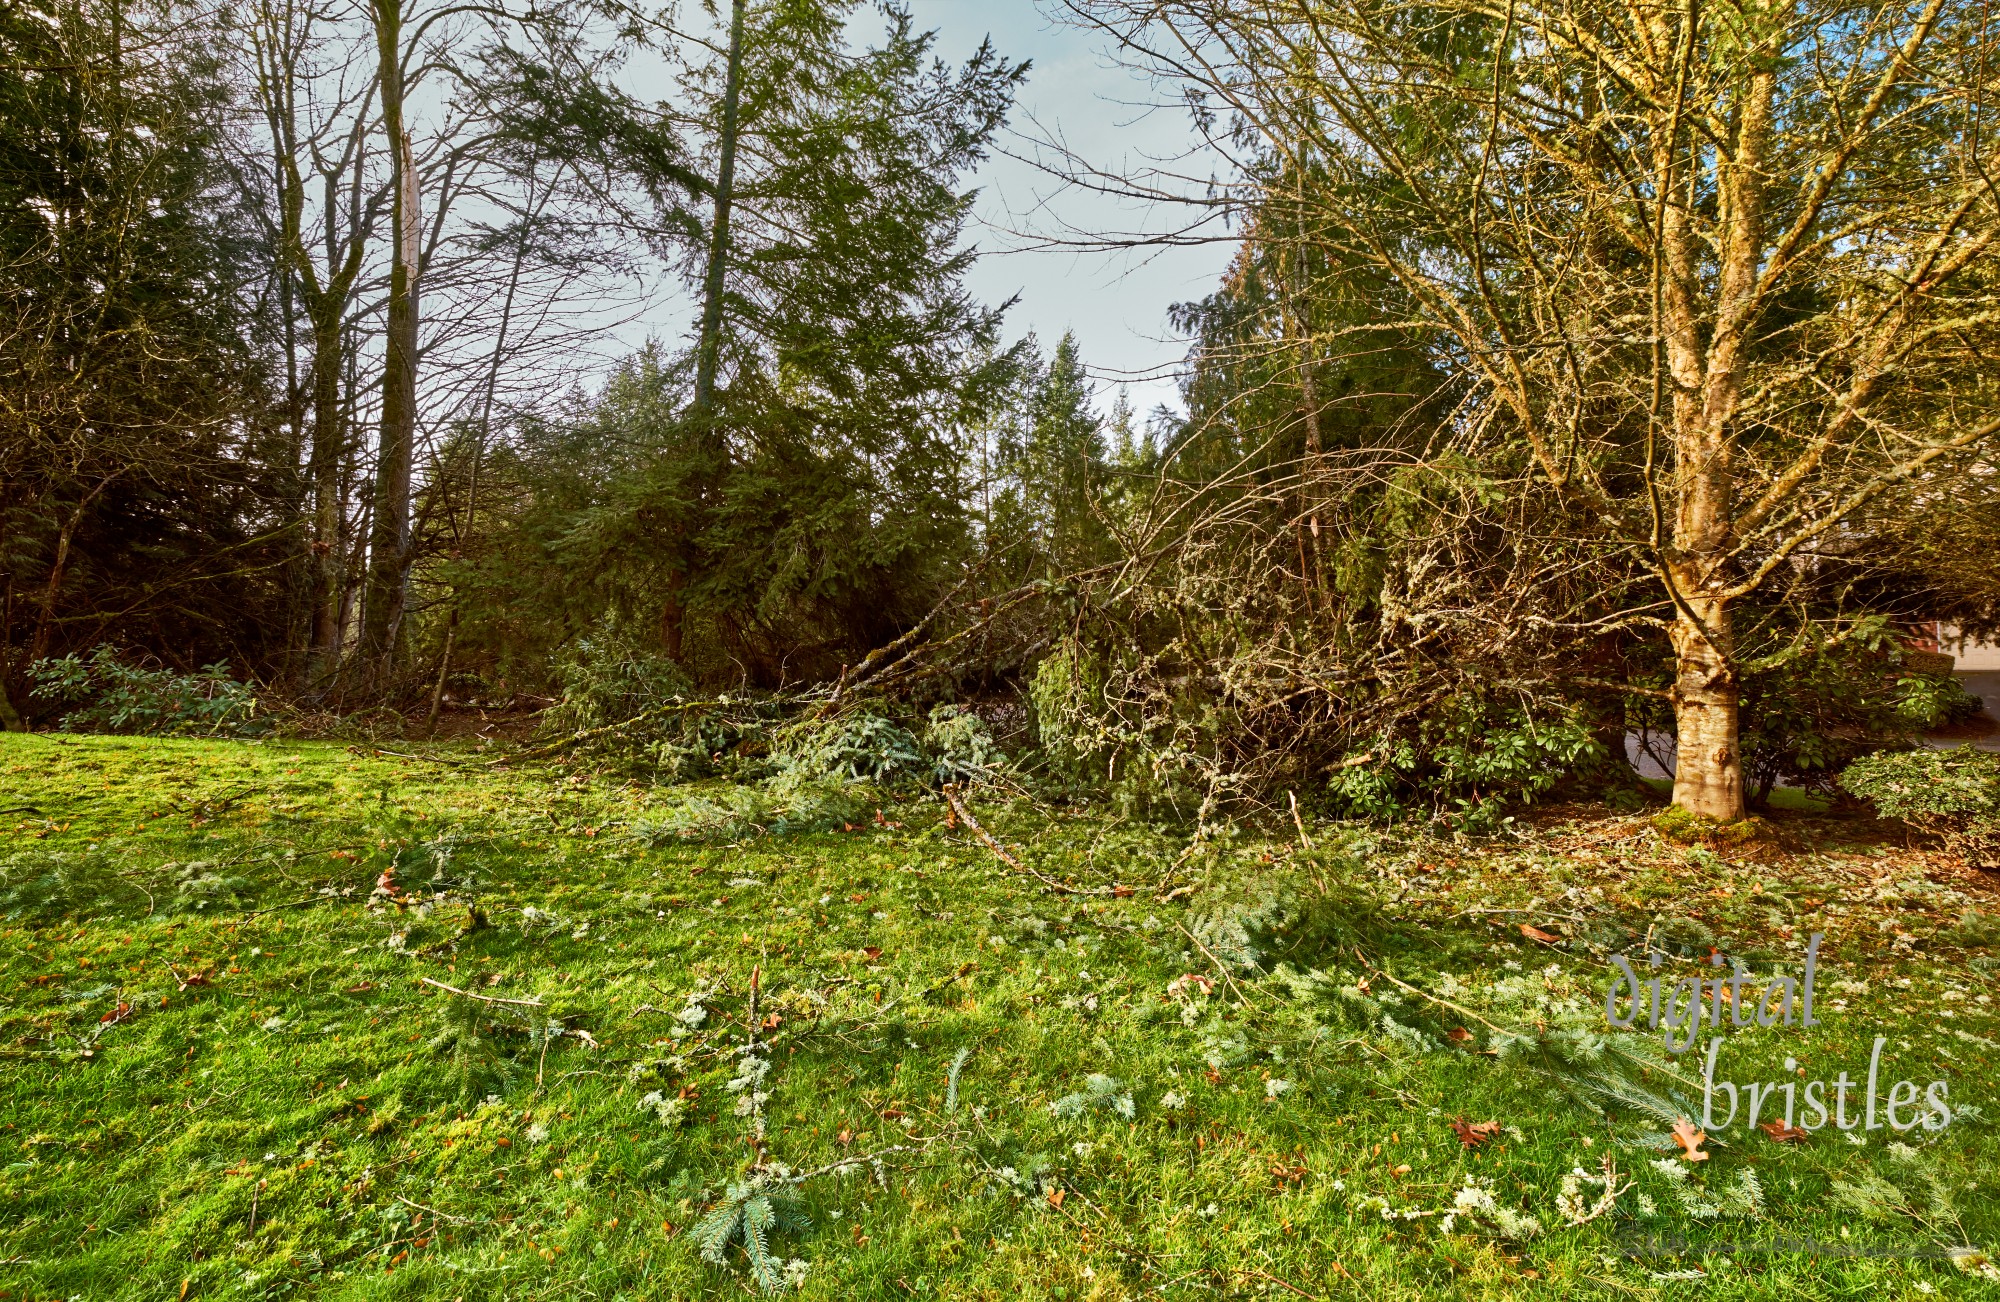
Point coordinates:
pixel 327 447
pixel 389 535
pixel 1708 764
pixel 10 719
pixel 1708 384
pixel 710 342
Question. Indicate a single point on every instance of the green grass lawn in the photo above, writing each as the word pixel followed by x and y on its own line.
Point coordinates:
pixel 230 1072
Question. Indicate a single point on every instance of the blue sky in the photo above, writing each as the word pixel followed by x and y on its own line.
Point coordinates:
pixel 1116 302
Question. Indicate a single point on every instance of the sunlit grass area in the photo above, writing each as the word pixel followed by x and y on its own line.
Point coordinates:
pixel 289 1019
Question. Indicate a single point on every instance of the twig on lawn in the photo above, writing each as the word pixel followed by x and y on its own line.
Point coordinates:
pixel 428 759
pixel 462 1220
pixel 484 999
pixel 310 899
pixel 922 995
pixel 1281 1283
pixel 1299 823
pixel 964 813
pixel 856 1160
pixel 1422 994
pixel 571 740
pixel 1539 913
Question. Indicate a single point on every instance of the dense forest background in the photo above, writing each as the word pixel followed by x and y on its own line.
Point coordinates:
pixel 1579 375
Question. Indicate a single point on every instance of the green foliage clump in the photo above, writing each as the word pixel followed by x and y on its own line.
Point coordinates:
pixel 962 747
pixel 104 694
pixel 1951 794
pixel 857 747
pixel 818 776
pixel 1469 760
pixel 44 885
pixel 200 887
pixel 1067 696
pixel 751 1212
pixel 472 1063
pixel 1100 1093
pixel 1152 754
pixel 787 805
pixel 1815 705
pixel 640 708
pixel 606 681
pixel 1974 930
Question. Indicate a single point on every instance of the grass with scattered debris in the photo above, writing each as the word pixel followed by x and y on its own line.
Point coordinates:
pixel 293 1020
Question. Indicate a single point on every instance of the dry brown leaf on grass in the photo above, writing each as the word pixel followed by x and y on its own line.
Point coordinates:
pixel 1474 1134
pixel 1785 1134
pixel 1536 933
pixel 1690 1140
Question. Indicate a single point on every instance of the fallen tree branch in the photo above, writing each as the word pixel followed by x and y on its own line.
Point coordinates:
pixel 1220 966
pixel 643 715
pixel 964 814
pixel 857 1160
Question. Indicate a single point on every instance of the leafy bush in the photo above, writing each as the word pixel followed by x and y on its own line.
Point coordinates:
pixel 199 887
pixel 1071 720
pixel 606 681
pixel 1952 794
pixel 1819 697
pixel 106 695
pixel 1469 760
pixel 785 806
pixel 1153 751
pixel 1812 709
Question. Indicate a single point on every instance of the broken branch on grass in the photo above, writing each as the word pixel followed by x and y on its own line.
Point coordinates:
pixel 857 1160
pixel 1421 994
pixel 1275 1280
pixel 641 717
pixel 1220 966
pixel 484 999
pixel 428 759
pixel 310 899
pixel 446 1216
pixel 963 811
pixel 922 995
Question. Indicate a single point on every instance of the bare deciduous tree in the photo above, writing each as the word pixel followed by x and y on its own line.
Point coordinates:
pixel 1720 272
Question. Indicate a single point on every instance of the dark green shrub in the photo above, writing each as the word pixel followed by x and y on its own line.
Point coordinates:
pixel 961 747
pixel 1823 696
pixel 645 714
pixel 859 746
pixel 1468 761
pixel 104 694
